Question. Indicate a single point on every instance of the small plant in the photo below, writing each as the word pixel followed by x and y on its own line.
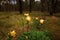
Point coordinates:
pixel 35 24
pixel 35 35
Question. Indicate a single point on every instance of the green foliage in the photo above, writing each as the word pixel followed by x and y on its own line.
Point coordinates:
pixel 35 35
pixel 35 24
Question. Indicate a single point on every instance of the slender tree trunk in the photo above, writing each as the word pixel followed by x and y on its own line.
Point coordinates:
pixel 51 7
pixel 20 6
pixel 31 3
pixel 0 6
pixel 42 5
pixel 54 6
pixel 26 5
pixel 30 6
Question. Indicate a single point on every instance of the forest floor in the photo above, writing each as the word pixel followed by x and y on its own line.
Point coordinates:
pixel 9 18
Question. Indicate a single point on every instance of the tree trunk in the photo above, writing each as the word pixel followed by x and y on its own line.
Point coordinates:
pixel 31 3
pixel 42 6
pixel 30 6
pixel 51 7
pixel 55 6
pixel 20 7
pixel 0 5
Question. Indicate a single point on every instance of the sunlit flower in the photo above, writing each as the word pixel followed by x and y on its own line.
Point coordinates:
pixel 13 33
pixel 42 21
pixel 28 18
pixel 26 14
